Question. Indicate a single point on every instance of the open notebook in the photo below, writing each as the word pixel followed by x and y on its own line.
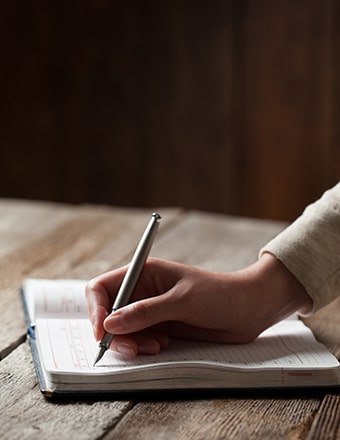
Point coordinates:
pixel 63 347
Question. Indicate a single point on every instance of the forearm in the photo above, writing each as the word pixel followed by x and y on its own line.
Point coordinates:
pixel 272 293
pixel 309 248
pixel 284 294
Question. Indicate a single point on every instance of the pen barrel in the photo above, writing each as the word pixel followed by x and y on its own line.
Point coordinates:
pixel 137 263
pixel 106 341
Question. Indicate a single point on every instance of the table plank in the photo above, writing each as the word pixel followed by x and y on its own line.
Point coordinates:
pixel 25 414
pixel 23 221
pixel 51 240
pixel 216 242
pixel 326 424
pixel 216 419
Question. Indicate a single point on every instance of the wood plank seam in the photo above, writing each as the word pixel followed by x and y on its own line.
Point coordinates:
pixel 11 347
pixel 326 424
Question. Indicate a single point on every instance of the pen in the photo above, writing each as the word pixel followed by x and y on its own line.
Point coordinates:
pixel 131 277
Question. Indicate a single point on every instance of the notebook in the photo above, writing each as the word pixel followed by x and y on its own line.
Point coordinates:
pixel 63 347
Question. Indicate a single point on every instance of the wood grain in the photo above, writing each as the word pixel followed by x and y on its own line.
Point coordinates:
pixel 215 419
pixel 51 240
pixel 25 414
pixel 216 242
pixel 326 424
pixel 289 65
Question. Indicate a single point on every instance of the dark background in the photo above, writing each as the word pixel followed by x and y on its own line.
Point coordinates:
pixel 230 106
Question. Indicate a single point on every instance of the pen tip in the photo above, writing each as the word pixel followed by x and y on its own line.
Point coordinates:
pixel 99 355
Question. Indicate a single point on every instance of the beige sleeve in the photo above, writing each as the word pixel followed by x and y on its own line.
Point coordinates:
pixel 310 248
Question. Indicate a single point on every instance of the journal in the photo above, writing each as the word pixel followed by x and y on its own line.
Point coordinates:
pixel 63 348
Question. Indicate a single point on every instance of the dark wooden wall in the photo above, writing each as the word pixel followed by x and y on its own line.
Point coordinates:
pixel 230 106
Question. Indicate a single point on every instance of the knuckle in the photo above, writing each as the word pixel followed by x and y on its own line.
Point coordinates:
pixel 143 313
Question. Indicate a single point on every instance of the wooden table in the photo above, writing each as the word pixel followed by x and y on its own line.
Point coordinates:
pixel 49 240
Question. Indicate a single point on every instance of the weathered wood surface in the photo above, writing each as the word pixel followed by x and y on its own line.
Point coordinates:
pixel 326 424
pixel 51 240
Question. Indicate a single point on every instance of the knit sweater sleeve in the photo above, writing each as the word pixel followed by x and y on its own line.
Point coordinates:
pixel 310 248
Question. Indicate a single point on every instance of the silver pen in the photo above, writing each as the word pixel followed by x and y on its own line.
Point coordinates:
pixel 131 277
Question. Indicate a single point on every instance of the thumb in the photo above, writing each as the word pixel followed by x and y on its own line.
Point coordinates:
pixel 143 314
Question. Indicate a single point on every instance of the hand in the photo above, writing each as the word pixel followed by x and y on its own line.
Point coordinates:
pixel 176 300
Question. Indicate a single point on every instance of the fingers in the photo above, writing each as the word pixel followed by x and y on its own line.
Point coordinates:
pixel 99 299
pixel 144 314
pixel 159 301
pixel 149 343
pixel 100 293
pixel 108 281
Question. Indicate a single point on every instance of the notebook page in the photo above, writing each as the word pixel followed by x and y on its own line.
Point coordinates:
pixel 55 298
pixel 69 345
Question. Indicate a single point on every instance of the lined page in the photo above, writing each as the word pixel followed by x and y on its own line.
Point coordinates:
pixel 55 298
pixel 69 345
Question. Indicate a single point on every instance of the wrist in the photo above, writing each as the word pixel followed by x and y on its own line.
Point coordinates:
pixel 270 293
pixel 283 292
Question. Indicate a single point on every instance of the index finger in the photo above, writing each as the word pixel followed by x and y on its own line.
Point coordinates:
pixel 99 293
